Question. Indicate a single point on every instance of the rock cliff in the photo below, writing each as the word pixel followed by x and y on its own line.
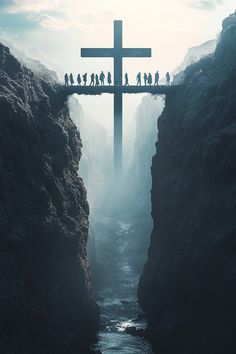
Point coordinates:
pixel 45 298
pixel 188 286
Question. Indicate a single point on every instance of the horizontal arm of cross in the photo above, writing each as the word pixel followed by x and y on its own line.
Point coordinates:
pixel 97 52
pixel 109 52
pixel 136 52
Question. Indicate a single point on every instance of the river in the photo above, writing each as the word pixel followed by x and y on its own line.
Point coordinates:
pixel 118 296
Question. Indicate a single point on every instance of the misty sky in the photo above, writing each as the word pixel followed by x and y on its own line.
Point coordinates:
pixel 55 30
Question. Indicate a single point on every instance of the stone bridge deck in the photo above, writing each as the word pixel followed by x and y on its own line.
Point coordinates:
pixel 98 90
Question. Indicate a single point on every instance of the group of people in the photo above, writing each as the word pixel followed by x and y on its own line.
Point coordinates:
pixel 96 80
pixel 148 79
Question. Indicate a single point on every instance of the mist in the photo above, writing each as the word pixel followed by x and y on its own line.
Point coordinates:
pixel 120 209
pixel 98 260
pixel 120 205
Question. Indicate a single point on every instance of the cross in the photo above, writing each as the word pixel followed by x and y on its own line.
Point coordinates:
pixel 118 53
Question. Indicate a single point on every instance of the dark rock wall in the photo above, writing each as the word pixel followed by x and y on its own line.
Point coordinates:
pixel 188 287
pixel 45 300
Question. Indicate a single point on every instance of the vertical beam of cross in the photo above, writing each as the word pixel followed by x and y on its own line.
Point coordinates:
pixel 118 45
pixel 118 100
pixel 118 53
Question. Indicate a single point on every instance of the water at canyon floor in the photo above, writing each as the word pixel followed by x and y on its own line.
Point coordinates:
pixel 118 299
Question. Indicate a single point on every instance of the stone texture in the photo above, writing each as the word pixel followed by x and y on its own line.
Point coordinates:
pixel 188 287
pixel 45 298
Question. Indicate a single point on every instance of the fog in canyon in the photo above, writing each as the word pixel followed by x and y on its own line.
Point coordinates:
pixel 97 223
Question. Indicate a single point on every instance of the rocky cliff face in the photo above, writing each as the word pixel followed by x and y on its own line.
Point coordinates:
pixel 188 286
pixel 45 300
pixel 138 180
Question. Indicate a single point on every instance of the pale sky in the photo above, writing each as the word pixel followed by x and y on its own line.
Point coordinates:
pixel 55 30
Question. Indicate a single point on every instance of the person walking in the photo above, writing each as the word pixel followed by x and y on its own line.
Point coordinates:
pixel 109 78
pixel 157 77
pixel 66 77
pixel 168 78
pixel 79 79
pixel 92 83
pixel 96 80
pixel 139 79
pixel 102 78
pixel 149 79
pixel 85 79
pixel 126 80
pixel 145 77
pixel 71 79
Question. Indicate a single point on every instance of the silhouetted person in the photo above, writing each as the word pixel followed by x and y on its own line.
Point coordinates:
pixel 79 79
pixel 71 79
pixel 145 77
pixel 92 83
pixel 66 80
pixel 168 78
pixel 157 77
pixel 149 79
pixel 96 80
pixel 126 80
pixel 109 78
pixel 139 79
pixel 85 79
pixel 102 78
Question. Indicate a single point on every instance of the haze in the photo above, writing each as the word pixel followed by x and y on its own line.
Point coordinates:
pixel 54 32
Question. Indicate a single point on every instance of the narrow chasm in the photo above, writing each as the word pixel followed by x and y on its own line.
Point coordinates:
pixel 78 272
pixel 120 223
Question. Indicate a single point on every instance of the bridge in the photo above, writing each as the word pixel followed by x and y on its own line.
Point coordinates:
pixel 117 53
pixel 99 90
